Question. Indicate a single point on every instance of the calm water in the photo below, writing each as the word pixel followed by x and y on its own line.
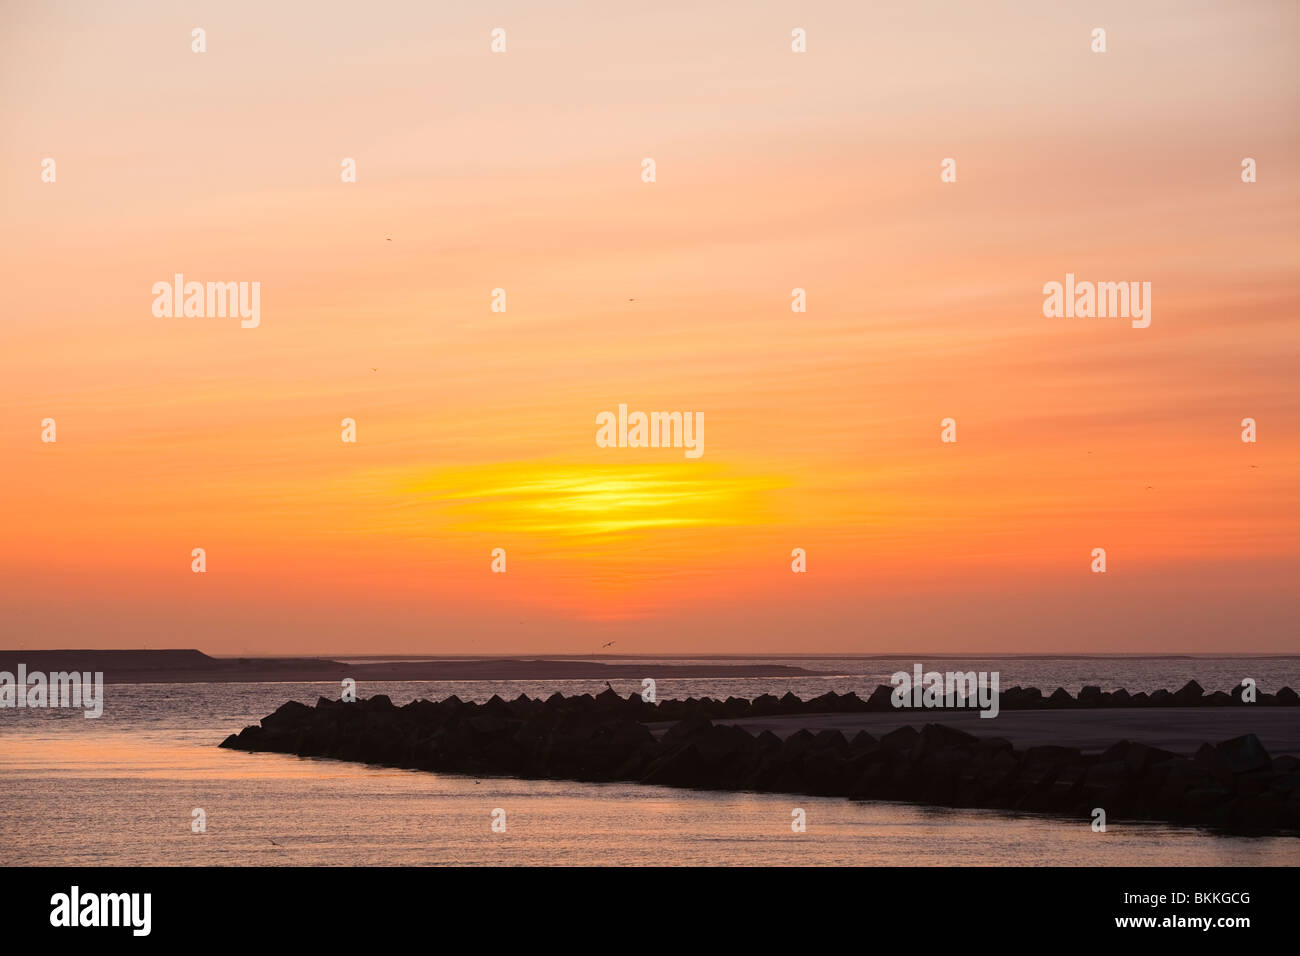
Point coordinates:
pixel 121 790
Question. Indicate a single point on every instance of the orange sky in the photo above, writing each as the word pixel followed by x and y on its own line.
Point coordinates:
pixel 775 170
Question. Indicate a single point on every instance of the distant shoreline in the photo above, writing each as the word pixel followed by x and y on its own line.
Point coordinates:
pixel 148 658
pixel 194 667
pixel 190 666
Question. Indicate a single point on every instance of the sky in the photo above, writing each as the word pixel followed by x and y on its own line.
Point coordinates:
pixel 774 170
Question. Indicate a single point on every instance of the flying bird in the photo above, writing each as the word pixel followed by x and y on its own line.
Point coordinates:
pixel 608 644
pixel 273 843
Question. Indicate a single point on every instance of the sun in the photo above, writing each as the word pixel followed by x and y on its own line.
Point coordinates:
pixel 549 499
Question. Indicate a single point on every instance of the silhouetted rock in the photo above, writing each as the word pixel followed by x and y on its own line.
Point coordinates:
pixel 737 707
pixel 881 698
pixel 830 740
pixel 851 703
pixel 825 704
pixel 1244 754
pixel 935 737
pixel 904 738
pixel 1052 755
pixel 863 742
pixel 287 714
pixel 686 730
pixel 798 743
pixel 1139 757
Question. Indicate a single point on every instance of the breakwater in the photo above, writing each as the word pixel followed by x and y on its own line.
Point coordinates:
pixel 1231 784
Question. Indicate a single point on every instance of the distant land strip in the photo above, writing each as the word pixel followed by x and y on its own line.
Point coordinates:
pixel 187 666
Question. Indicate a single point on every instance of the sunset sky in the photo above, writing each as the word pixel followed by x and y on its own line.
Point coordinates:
pixel 775 170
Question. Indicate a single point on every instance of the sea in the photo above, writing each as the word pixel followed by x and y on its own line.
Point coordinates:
pixel 131 787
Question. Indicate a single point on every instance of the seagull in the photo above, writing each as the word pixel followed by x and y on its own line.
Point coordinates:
pixel 608 644
pixel 374 370
pixel 273 843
